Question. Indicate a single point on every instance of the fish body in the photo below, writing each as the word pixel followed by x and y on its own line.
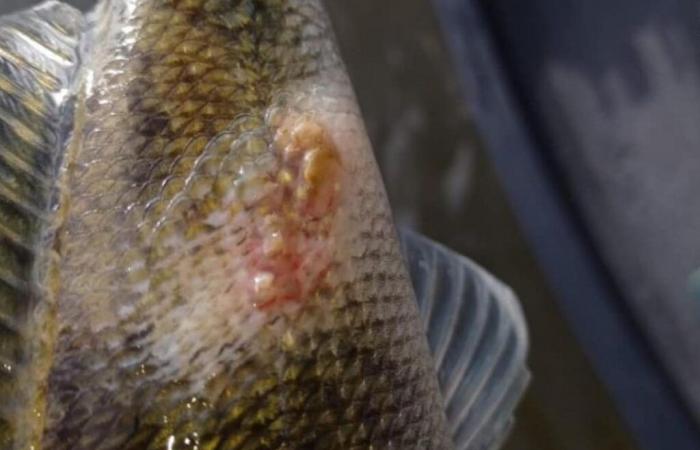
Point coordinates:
pixel 224 272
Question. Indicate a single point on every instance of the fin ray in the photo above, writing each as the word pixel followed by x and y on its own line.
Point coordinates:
pixel 478 336
pixel 38 63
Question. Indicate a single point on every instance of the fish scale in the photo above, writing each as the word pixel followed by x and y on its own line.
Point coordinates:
pixel 196 250
pixel 230 274
pixel 229 271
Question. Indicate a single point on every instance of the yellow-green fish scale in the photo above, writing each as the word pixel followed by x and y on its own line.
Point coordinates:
pixel 204 131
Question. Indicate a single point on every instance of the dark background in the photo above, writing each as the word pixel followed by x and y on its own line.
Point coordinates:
pixel 441 182
pixel 612 90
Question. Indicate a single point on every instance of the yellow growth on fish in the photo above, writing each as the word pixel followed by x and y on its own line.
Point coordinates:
pixel 229 272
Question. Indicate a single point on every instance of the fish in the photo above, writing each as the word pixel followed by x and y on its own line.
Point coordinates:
pixel 197 250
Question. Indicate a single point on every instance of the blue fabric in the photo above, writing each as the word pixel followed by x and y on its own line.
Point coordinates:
pixel 599 312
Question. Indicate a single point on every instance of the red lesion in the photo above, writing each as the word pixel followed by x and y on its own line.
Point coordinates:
pixel 292 252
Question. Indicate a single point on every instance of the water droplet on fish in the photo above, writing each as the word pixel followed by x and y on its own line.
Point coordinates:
pixel 262 283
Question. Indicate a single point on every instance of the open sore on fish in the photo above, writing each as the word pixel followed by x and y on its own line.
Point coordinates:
pixel 230 276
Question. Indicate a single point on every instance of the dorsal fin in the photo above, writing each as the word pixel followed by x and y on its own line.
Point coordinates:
pixel 38 62
pixel 477 333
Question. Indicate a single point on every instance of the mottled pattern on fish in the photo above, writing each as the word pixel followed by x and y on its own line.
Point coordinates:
pixel 38 59
pixel 230 273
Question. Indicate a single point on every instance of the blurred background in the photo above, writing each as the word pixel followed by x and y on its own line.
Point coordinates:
pixel 556 143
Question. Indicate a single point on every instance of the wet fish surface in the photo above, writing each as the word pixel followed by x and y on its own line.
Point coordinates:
pixel 211 261
pixel 38 61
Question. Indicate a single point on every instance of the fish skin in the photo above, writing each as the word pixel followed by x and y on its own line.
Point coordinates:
pixel 38 64
pixel 230 276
